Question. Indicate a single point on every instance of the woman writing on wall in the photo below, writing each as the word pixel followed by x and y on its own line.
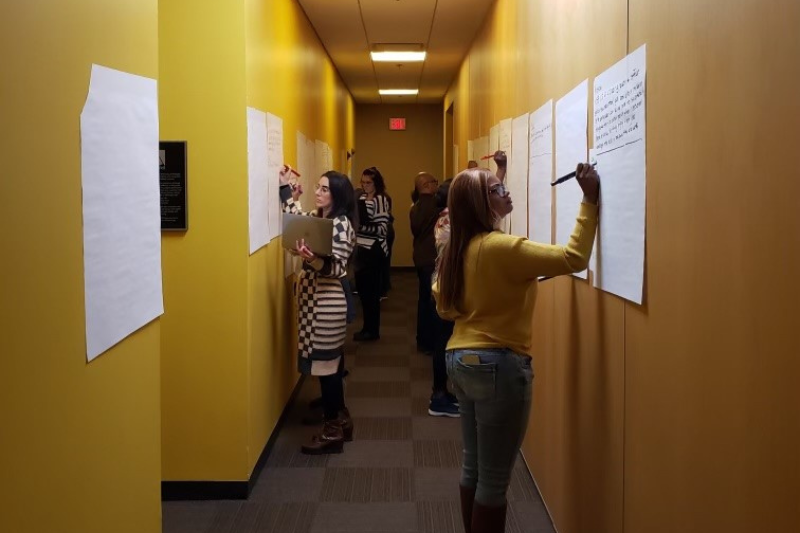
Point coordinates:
pixel 322 306
pixel 372 251
pixel 487 284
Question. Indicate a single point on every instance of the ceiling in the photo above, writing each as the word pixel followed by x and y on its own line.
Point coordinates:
pixel 350 29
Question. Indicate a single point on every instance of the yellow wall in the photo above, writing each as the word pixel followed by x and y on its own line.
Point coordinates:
pixel 400 155
pixel 290 75
pixel 228 349
pixel 204 363
pixel 79 443
pixel 682 414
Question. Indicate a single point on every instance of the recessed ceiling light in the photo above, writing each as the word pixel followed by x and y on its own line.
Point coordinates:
pixel 398 92
pixel 398 56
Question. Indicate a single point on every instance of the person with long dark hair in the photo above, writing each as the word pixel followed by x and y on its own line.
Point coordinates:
pixel 373 209
pixel 487 283
pixel 322 305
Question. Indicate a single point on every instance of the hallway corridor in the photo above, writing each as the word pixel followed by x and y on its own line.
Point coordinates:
pixel 400 474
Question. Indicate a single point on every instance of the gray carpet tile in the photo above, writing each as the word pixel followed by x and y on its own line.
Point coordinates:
pixel 379 373
pixel 378 389
pixel 437 454
pixel 380 360
pixel 365 485
pixel 419 406
pixel 423 373
pixel 368 453
pixel 365 518
pixel 399 475
pixel 437 484
pixel 385 428
pixel 391 407
pixel 439 517
pixel 436 428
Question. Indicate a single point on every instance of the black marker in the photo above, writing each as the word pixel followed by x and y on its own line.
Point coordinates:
pixel 569 176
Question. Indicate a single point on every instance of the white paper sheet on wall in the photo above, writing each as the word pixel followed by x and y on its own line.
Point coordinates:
pixel 320 158
pixel 540 173
pixel 304 165
pixel 571 149
pixel 518 175
pixel 481 149
pixel 274 162
pixel 121 207
pixel 620 142
pixel 309 180
pixel 258 179
pixel 494 145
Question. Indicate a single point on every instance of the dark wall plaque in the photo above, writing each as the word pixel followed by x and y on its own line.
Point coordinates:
pixel 172 163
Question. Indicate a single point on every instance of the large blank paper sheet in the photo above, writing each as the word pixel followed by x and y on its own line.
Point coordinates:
pixel 121 207
pixel 258 178
pixel 302 163
pixel 518 175
pixel 481 149
pixel 310 178
pixel 494 145
pixel 619 139
pixel 540 174
pixel 571 149
pixel 274 162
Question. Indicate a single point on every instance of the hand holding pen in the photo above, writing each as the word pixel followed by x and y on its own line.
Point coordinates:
pixel 587 178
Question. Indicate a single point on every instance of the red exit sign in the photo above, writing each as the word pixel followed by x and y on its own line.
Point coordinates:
pixel 397 124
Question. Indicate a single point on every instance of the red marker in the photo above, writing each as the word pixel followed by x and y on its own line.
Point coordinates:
pixel 484 158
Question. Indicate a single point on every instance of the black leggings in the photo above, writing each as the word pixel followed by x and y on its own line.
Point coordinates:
pixel 333 392
pixel 368 282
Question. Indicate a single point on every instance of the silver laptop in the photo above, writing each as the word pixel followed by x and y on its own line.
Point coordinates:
pixel 317 232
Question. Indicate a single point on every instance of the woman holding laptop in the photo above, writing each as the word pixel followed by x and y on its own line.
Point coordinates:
pixel 321 303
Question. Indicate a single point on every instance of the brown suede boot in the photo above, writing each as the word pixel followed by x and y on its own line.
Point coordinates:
pixel 488 519
pixel 330 440
pixel 467 499
pixel 346 423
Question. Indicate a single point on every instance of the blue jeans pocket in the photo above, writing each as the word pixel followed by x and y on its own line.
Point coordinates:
pixel 478 381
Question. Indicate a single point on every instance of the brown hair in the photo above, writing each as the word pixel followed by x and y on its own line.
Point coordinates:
pixel 470 215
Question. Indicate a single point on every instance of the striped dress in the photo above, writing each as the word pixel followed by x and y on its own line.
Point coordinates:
pixel 374 223
pixel 321 303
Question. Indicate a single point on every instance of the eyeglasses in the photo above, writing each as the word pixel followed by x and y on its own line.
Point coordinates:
pixel 499 190
pixel 323 188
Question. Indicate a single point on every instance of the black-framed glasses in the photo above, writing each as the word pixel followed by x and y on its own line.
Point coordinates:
pixel 499 190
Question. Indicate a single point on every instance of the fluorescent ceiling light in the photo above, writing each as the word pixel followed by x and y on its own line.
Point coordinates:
pixel 398 56
pixel 398 92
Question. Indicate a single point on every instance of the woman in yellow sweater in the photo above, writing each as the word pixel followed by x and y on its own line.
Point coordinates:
pixel 487 284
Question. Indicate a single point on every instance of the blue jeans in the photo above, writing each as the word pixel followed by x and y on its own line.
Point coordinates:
pixel 493 387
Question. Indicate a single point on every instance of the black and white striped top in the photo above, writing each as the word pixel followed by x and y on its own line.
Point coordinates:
pixel 374 226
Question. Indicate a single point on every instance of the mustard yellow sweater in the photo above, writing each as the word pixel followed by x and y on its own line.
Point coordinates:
pixel 500 282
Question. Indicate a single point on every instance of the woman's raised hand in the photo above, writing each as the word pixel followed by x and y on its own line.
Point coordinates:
pixel 589 181
pixel 285 174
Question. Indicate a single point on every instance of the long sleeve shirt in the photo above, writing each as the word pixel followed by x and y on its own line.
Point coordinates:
pixel 373 222
pixel 500 284
pixel 423 216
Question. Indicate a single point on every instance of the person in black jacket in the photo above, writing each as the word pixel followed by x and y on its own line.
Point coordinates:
pixel 424 214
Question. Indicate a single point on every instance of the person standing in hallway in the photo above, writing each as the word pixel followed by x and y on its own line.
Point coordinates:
pixel 487 285
pixel 423 216
pixel 373 249
pixel 386 280
pixel 321 334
